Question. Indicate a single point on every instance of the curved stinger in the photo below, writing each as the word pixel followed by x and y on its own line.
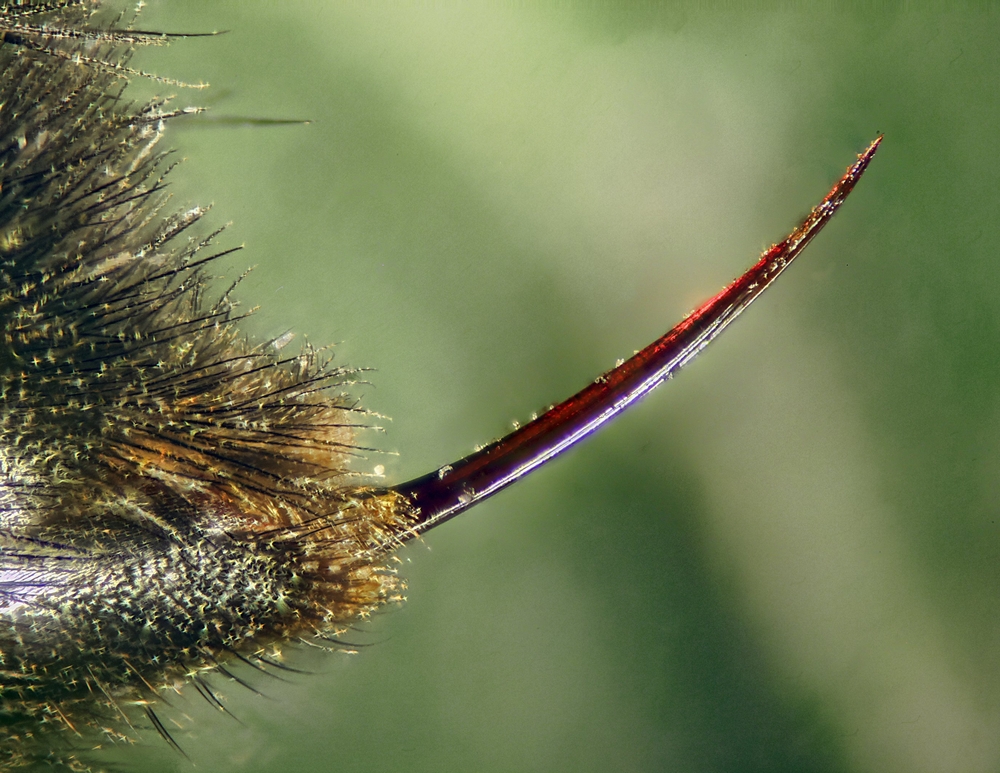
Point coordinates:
pixel 440 495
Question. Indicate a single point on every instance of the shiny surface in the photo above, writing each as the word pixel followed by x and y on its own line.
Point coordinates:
pixel 444 493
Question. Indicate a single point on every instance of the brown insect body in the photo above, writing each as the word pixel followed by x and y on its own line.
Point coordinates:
pixel 169 491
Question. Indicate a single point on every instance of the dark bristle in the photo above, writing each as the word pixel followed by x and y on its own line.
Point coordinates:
pixel 163 732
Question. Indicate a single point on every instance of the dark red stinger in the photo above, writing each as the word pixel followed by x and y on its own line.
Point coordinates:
pixel 445 493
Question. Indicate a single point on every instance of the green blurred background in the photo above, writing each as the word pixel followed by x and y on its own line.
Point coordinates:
pixel 787 558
